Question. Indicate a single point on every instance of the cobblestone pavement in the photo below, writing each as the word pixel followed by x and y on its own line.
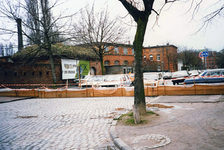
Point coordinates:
pixel 72 123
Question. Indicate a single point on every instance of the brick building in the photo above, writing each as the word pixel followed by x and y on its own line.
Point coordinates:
pixel 119 58
pixel 211 60
pixel 30 67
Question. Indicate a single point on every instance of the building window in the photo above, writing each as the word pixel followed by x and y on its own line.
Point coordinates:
pixel 133 51
pixel 106 63
pixel 133 63
pixel 158 57
pixel 125 62
pixel 158 68
pixel 129 69
pixel 24 73
pixel 33 73
pixel 151 57
pixel 47 73
pixel 15 74
pixel 125 51
pixel 40 73
pixel 116 50
pixel 106 49
pixel 116 62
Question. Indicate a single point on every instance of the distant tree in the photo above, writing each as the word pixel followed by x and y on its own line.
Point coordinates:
pixel 10 49
pixel 190 59
pixel 41 27
pixel 96 30
pixel 149 65
pixel 220 59
pixel 1 49
pixel 33 23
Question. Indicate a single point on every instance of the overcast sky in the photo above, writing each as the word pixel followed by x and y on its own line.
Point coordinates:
pixel 175 25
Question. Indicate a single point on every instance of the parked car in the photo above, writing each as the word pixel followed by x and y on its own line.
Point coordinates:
pixel 179 77
pixel 194 73
pixel 167 75
pixel 106 81
pixel 208 76
pixel 150 78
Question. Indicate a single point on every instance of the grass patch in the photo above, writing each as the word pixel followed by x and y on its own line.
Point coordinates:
pixel 151 113
pixel 130 121
pixel 128 118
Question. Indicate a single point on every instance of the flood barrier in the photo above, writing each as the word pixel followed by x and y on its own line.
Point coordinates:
pixel 112 92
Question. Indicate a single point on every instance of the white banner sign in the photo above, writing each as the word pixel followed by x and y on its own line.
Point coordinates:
pixel 69 68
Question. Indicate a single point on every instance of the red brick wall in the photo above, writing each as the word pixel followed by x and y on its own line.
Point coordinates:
pixel 120 58
pixel 40 72
pixel 168 56
pixel 96 65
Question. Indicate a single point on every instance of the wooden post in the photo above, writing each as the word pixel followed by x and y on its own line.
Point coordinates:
pixel 79 77
pixel 66 84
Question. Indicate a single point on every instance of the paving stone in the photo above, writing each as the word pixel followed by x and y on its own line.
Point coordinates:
pixel 72 123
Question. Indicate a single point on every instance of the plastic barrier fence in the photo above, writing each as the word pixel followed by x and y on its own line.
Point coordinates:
pixel 110 92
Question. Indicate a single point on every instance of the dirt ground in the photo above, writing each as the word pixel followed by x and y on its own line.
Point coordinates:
pixel 189 126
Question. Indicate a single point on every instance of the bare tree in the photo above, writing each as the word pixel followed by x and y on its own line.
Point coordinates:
pixel 141 18
pixel 220 58
pixel 190 59
pixel 41 27
pixel 140 10
pixel 33 21
pixel 214 11
pixel 96 30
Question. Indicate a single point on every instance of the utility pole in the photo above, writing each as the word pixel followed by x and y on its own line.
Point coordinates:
pixel 20 35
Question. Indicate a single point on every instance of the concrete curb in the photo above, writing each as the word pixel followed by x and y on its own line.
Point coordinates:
pixel 117 141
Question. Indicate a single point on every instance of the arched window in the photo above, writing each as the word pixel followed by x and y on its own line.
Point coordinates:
pixel 116 62
pixel 125 51
pixel 158 57
pixel 93 71
pixel 133 63
pixel 125 62
pixel 151 57
pixel 106 63
pixel 133 51
pixel 116 50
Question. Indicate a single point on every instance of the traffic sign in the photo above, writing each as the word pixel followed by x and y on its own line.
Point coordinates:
pixel 203 54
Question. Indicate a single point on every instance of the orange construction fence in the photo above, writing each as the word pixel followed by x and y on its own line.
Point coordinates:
pixel 110 92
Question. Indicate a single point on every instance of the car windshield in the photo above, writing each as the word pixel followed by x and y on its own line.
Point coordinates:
pixel 180 74
pixel 212 73
pixel 112 78
pixel 94 78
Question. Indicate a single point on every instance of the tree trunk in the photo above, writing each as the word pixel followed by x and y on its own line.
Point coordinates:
pixel 20 35
pixel 52 64
pixel 101 61
pixel 53 69
pixel 139 93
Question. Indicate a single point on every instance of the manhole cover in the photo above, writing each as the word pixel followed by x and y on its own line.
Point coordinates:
pixel 152 140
